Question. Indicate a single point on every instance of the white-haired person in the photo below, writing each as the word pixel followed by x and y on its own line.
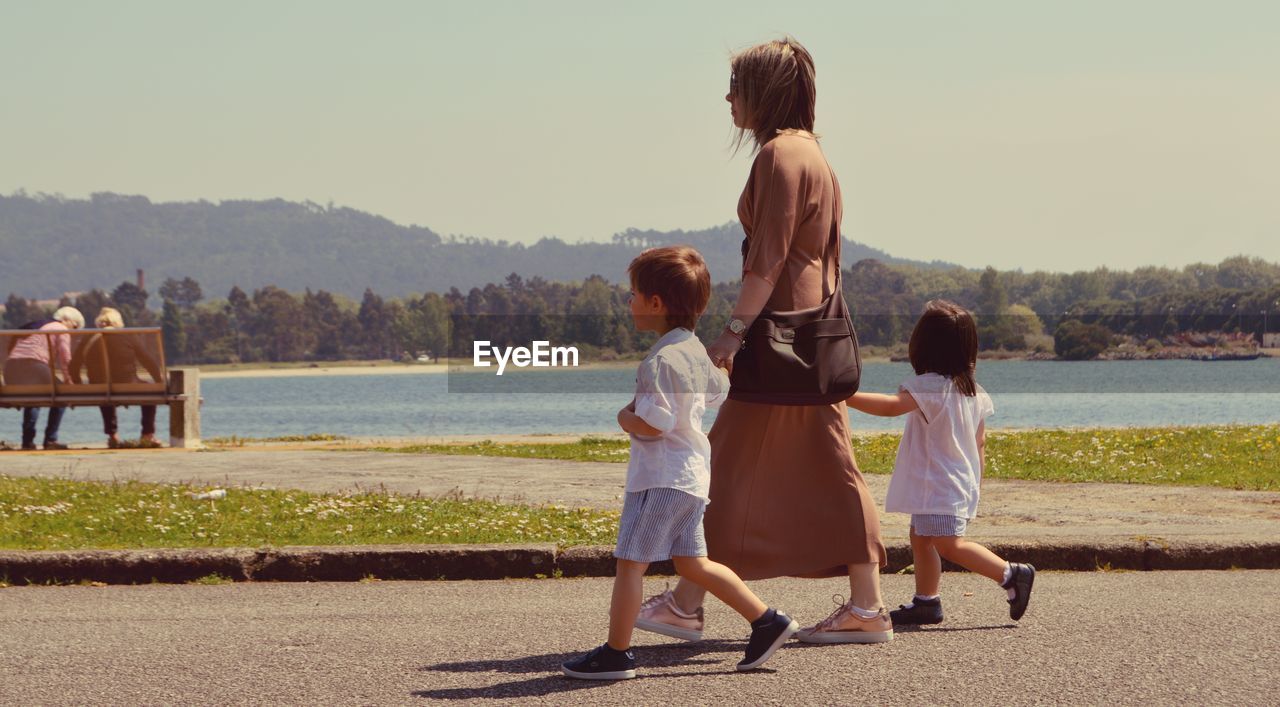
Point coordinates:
pixel 115 358
pixel 29 363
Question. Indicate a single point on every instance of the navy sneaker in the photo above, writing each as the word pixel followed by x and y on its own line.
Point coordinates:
pixel 603 663
pixel 918 612
pixel 768 633
pixel 1021 577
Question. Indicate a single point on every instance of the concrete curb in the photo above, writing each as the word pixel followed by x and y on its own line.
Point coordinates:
pixel 285 564
pixel 454 562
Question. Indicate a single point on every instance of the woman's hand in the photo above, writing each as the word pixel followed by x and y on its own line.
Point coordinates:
pixel 751 300
pixel 723 350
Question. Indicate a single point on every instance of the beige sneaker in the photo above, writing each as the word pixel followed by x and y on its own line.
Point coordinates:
pixel 660 614
pixel 845 626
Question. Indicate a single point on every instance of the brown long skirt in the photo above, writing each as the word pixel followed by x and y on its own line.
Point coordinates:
pixel 787 498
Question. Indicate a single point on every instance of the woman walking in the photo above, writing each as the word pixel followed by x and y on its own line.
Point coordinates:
pixel 787 498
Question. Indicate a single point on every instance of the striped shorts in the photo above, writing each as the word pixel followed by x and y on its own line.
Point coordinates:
pixel 934 526
pixel 660 523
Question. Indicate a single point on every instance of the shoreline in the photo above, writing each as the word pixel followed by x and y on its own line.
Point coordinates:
pixel 369 369
pixel 531 439
pixel 378 368
pixel 544 438
pixel 372 370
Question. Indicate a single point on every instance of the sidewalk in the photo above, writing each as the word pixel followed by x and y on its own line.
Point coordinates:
pixel 1069 526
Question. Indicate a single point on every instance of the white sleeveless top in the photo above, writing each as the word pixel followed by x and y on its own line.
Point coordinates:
pixel 938 469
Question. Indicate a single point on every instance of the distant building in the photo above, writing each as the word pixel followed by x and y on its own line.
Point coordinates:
pixel 1271 341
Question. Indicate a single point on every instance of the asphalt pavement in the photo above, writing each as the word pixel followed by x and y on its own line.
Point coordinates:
pixel 1087 638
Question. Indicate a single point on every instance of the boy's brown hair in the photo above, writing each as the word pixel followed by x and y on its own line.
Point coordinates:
pixel 945 341
pixel 679 276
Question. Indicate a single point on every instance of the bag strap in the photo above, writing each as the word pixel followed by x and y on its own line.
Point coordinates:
pixel 833 240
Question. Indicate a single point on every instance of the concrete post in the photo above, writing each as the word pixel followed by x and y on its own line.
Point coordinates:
pixel 184 414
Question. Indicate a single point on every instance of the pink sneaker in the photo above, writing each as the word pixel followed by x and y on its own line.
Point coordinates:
pixel 660 614
pixel 845 626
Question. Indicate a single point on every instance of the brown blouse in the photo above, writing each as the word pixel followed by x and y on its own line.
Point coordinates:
pixel 788 208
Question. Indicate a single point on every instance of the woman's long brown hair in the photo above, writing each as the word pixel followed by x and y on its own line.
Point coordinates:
pixel 776 82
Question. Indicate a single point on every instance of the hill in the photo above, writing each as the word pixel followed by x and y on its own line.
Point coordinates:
pixel 53 244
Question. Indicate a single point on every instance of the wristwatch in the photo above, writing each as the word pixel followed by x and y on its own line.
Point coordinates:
pixel 738 328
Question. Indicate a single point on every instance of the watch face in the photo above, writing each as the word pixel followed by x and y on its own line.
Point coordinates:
pixel 736 326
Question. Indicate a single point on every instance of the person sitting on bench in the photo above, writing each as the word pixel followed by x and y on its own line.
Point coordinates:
pixel 115 358
pixel 28 363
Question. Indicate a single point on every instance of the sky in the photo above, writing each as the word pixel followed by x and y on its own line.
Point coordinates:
pixel 1056 136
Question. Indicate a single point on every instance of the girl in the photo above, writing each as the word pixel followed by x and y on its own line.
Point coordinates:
pixel 938 472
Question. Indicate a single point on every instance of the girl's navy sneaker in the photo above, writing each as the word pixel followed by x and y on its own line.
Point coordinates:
pixel 1021 578
pixel 603 663
pixel 917 613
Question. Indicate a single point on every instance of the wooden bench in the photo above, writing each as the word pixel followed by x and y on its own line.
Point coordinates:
pixel 139 377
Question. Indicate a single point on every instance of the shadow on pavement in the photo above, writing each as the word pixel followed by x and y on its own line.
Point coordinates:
pixel 550 681
pixel 943 629
pixel 535 687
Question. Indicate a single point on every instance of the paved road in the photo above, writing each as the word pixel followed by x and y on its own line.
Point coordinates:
pixel 1011 510
pixel 1161 637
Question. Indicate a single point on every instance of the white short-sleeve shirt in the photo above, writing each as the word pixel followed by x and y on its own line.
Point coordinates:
pixel 938 469
pixel 675 384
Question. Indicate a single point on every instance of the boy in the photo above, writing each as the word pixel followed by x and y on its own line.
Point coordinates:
pixel 669 474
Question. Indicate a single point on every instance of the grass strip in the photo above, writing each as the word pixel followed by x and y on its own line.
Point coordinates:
pixel 238 441
pixel 1225 456
pixel 61 514
pixel 587 449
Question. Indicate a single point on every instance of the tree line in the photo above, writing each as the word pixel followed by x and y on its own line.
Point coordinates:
pixel 1016 311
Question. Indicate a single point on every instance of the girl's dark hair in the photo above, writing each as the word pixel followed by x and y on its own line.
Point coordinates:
pixel 945 341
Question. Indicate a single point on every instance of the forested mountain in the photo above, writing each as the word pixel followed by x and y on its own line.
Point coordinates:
pixel 310 282
pixel 51 245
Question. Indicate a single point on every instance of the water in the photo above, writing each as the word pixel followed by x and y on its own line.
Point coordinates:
pixel 1026 394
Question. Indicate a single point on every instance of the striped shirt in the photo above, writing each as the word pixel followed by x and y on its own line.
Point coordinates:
pixel 37 347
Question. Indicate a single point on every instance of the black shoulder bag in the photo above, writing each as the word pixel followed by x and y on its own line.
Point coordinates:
pixel 804 357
